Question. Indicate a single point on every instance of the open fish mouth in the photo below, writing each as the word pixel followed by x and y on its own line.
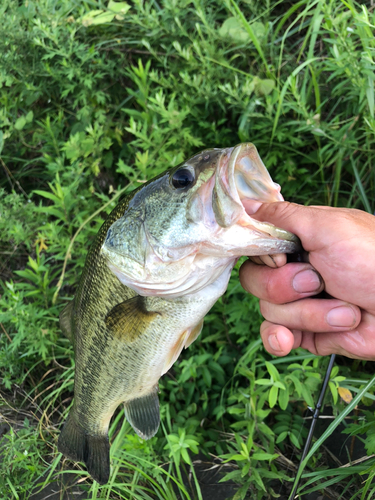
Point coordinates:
pixel 250 177
pixel 242 179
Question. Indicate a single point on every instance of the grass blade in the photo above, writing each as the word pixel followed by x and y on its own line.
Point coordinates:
pixel 252 36
pixel 361 189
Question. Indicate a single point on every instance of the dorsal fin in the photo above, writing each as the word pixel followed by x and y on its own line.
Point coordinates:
pixel 129 319
pixel 66 321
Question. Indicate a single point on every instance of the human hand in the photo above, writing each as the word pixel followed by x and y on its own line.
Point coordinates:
pixel 341 246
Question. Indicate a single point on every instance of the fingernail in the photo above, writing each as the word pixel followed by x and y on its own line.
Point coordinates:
pixel 341 316
pixel 274 343
pixel 306 281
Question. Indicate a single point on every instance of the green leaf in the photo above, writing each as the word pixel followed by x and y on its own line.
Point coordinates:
pixel 282 436
pixel 262 414
pixel 272 370
pixel 294 440
pixel 48 195
pixel 96 17
pixel 280 385
pixel 264 87
pixel 241 493
pixel 370 95
pixel 120 8
pixel 245 469
pixel 1 141
pixel 265 429
pixel 283 399
pixel 185 455
pixel 334 391
pixel 33 264
pixel 173 438
pixel 272 397
pixel 26 274
pixel 29 117
pixel 306 394
pixel 261 455
pixel 58 213
pixel 258 479
pixel 233 28
pixel 20 123
pixel 240 458
pixel 235 411
pixel 335 371
pixel 264 381
pixel 234 474
pixel 296 382
pixel 206 376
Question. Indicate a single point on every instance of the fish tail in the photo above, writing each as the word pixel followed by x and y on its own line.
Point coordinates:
pixel 77 445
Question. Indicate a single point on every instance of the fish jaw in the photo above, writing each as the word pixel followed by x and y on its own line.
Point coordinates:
pixel 241 179
pixel 241 175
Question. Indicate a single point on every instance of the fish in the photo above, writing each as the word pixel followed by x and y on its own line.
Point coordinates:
pixel 159 262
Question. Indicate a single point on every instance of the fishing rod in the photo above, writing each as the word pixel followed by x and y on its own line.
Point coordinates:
pixel 316 413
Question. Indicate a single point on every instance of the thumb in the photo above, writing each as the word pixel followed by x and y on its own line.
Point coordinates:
pixel 308 223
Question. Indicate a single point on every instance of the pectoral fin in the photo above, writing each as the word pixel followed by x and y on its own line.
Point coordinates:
pixel 129 319
pixel 194 334
pixel 186 338
pixel 143 414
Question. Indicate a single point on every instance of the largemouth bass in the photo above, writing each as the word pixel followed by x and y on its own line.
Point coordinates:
pixel 158 264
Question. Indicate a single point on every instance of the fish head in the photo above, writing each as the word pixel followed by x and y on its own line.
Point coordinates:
pixel 184 228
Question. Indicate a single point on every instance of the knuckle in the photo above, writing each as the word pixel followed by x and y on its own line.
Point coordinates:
pixel 285 209
pixel 308 317
pixel 246 276
pixel 277 209
pixel 272 288
pixel 269 286
pixel 276 285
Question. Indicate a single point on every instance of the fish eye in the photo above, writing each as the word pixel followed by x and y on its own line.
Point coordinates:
pixel 183 178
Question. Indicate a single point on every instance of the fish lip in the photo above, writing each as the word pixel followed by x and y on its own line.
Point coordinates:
pixel 246 164
pixel 242 163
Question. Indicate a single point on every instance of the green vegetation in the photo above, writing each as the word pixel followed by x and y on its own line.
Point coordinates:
pixel 95 98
